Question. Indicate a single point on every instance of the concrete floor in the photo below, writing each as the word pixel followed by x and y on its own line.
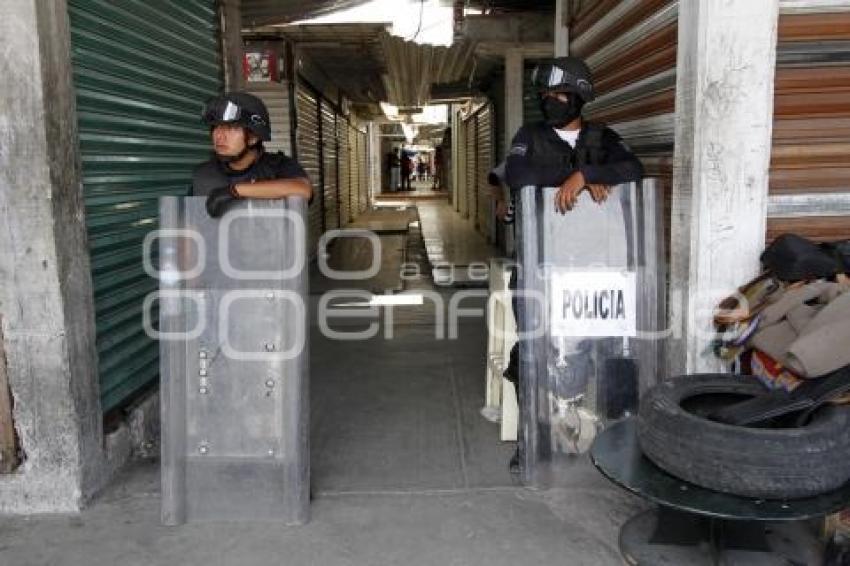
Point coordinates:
pixel 405 471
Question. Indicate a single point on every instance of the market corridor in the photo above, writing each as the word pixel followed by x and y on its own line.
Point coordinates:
pixel 402 413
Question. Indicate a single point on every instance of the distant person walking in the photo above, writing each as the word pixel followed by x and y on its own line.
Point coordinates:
pixel 406 172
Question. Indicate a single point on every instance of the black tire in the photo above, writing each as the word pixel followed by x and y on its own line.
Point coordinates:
pixel 767 463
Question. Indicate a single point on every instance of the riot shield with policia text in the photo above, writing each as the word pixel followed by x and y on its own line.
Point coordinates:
pixel 590 301
pixel 233 346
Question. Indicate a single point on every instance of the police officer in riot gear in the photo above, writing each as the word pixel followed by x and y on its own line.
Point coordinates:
pixel 563 150
pixel 567 152
pixel 240 167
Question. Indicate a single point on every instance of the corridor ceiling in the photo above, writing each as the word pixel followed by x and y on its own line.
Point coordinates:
pixel 368 63
pixel 372 66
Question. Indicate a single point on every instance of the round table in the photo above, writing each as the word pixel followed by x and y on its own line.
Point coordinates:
pixel 698 525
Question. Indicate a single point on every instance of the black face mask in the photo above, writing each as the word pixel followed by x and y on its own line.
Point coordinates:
pixel 558 114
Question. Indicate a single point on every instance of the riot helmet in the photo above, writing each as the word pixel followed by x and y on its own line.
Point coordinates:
pixel 239 108
pixel 569 75
pixel 564 74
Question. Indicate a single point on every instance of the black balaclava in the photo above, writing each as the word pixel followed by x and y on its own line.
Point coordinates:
pixel 558 114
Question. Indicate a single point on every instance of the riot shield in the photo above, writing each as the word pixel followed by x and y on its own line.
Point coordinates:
pixel 234 376
pixel 591 307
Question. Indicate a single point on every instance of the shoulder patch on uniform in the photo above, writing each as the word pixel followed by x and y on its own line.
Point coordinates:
pixel 519 149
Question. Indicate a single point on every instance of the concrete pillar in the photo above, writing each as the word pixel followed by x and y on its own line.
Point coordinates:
pixel 724 113
pixel 513 94
pixel 45 278
pixel 232 46
pixel 562 28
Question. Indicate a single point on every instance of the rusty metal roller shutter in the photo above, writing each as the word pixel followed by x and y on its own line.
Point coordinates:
pixel 810 160
pixel 142 72
pixel 631 48
pixel 632 52
pixel 344 171
pixel 484 164
pixel 330 173
pixel 363 170
pixel 471 167
pixel 307 141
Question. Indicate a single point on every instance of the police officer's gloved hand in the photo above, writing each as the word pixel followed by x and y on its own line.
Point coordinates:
pixel 219 199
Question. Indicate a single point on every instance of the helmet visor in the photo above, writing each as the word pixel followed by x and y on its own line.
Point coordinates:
pixel 548 76
pixel 221 110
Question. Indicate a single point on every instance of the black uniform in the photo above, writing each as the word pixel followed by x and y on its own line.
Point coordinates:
pixel 214 174
pixel 539 157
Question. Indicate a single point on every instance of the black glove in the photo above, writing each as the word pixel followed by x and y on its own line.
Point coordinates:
pixel 219 199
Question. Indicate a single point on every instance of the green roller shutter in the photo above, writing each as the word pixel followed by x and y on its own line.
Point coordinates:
pixel 142 70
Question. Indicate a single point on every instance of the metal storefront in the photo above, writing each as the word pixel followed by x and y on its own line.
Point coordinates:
pixel 354 171
pixel 308 147
pixel 275 95
pixel 484 163
pixel 810 161
pixel 330 166
pixel 363 171
pixel 469 209
pixel 142 72
pixel 633 58
pixel 344 172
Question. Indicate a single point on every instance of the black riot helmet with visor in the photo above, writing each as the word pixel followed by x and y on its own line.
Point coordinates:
pixel 564 74
pixel 568 75
pixel 239 108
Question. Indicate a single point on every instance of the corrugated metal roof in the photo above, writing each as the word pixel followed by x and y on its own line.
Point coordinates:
pixel 370 65
pixel 412 68
pixel 266 12
pixel 350 54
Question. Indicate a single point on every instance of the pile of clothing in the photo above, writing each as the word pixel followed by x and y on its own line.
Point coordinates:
pixel 792 322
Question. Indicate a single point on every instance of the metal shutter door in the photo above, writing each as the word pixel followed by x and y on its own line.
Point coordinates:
pixel 307 142
pixel 330 174
pixel 471 166
pixel 484 215
pixel 810 161
pixel 141 74
pixel 354 177
pixel 344 171
pixel 363 170
pixel 276 97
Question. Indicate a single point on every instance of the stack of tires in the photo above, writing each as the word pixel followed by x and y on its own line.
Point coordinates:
pixel 789 460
